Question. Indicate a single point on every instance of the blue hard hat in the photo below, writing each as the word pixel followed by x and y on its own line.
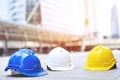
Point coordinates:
pixel 26 62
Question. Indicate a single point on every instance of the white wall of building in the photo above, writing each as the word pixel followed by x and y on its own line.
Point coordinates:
pixel 61 16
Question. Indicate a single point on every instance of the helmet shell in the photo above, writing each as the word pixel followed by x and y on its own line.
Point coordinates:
pixel 25 62
pixel 59 59
pixel 100 58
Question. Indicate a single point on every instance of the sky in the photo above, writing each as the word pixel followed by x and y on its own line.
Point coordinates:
pixel 4 9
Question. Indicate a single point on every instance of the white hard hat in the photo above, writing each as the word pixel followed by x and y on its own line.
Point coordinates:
pixel 59 59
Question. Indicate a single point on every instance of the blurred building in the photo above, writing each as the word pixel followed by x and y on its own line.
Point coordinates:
pixel 60 16
pixel 114 22
pixel 66 16
pixel 13 10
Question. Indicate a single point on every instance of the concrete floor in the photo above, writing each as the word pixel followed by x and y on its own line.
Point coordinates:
pixel 78 73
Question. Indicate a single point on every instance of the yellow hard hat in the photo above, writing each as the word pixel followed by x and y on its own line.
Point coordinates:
pixel 100 58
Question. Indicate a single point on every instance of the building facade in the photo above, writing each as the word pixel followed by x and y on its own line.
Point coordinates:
pixel 13 10
pixel 60 16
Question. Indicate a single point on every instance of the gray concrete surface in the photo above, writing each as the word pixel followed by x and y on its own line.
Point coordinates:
pixel 78 73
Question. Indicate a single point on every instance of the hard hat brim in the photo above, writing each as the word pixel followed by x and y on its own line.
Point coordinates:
pixel 60 68
pixel 41 73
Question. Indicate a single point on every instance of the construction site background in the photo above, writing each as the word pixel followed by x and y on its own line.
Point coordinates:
pixel 41 25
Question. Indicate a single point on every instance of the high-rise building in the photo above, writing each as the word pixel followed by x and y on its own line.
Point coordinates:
pixel 17 10
pixel 114 22
pixel 59 15
pixel 13 10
